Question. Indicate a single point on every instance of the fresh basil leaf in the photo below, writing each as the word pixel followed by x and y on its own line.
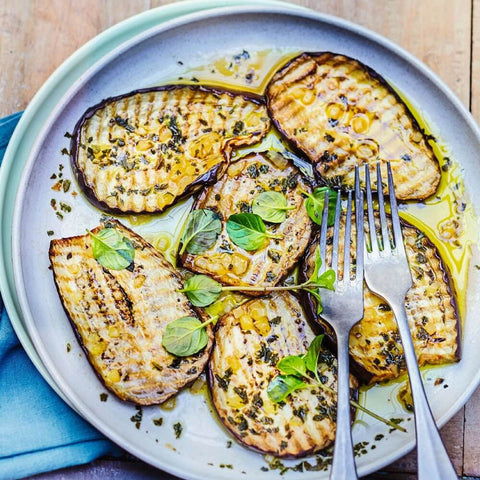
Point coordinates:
pixel 202 290
pixel 185 336
pixel 203 228
pixel 315 202
pixel 311 358
pixel 282 386
pixel 247 230
pixel 317 296
pixel 326 280
pixel 111 249
pixel 271 206
pixel 293 365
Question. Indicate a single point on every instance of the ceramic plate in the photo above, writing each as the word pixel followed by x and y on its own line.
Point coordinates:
pixel 183 47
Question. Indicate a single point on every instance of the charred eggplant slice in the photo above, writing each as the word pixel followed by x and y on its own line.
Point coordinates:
pixel 243 181
pixel 119 317
pixel 249 342
pixel 142 151
pixel 375 345
pixel 340 113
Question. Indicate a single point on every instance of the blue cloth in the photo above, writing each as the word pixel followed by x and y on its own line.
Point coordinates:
pixel 38 431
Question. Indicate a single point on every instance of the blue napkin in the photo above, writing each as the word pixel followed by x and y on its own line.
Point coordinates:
pixel 38 431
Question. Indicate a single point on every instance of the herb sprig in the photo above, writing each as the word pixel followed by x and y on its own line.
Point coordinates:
pixel 203 291
pixel 299 372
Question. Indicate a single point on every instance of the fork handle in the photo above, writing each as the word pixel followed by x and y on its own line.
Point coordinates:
pixel 343 465
pixel 432 458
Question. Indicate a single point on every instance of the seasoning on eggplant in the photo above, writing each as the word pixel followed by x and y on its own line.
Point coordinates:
pixel 340 113
pixel 375 344
pixel 249 342
pixel 119 316
pixel 265 261
pixel 142 151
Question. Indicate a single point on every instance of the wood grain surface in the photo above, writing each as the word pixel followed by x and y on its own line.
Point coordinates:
pixel 36 36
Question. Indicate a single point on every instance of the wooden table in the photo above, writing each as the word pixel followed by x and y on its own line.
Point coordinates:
pixel 36 36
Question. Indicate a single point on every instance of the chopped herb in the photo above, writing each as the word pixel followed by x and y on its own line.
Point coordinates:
pixel 50 233
pixel 103 397
pixel 224 381
pixel 238 128
pixel 69 347
pixel 66 185
pixel 158 421
pixel 137 418
pixel 65 151
pixel 177 428
pixel 122 122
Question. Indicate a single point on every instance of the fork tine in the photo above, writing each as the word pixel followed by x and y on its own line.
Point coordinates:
pixel 371 219
pixel 397 230
pixel 359 213
pixel 323 233
pixel 336 233
pixel 347 238
pixel 381 208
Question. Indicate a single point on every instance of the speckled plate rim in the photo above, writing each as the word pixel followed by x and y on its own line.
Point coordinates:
pixel 229 11
pixel 33 122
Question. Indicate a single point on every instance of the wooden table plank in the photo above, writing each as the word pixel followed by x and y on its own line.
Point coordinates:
pixel 36 36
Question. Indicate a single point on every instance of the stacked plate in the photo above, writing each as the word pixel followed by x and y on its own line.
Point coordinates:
pixel 150 49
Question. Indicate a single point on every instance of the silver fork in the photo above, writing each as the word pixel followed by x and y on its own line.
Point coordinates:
pixel 342 309
pixel 388 275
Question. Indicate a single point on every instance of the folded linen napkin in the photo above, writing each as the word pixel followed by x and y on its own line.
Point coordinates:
pixel 38 431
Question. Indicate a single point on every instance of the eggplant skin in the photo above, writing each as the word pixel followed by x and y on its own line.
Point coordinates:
pixel 249 342
pixel 375 345
pixel 119 317
pixel 234 193
pixel 143 151
pixel 341 113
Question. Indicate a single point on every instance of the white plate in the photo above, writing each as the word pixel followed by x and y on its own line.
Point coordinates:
pixel 149 59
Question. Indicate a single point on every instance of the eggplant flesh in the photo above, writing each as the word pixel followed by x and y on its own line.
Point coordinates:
pixel 340 113
pixel 234 193
pixel 249 342
pixel 375 346
pixel 142 151
pixel 119 317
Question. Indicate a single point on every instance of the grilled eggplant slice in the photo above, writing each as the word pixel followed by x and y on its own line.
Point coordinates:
pixel 119 317
pixel 234 193
pixel 375 345
pixel 142 151
pixel 249 342
pixel 341 113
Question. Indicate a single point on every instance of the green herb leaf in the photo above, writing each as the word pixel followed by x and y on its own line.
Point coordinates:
pixel 185 336
pixel 282 386
pixel 202 290
pixel 111 249
pixel 271 206
pixel 203 228
pixel 293 365
pixel 311 357
pixel 248 231
pixel 315 202
pixel 326 280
